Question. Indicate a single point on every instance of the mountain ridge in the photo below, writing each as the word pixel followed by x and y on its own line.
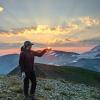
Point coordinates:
pixel 58 58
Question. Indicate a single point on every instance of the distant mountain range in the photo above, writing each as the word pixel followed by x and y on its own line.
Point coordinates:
pixel 57 58
pixel 8 63
pixel 88 60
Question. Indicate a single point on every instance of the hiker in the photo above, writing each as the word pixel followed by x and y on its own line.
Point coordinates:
pixel 26 63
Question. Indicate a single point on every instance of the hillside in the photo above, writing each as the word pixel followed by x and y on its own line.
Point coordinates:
pixel 54 83
pixel 68 73
pixel 86 63
pixel 48 89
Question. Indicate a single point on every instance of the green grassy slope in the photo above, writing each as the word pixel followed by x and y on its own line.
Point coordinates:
pixel 73 74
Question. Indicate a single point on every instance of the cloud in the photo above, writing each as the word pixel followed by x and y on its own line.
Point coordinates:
pixel 89 21
pixel 72 26
pixel 18 45
pixel 45 29
pixel 92 41
pixel 1 8
pixel 69 32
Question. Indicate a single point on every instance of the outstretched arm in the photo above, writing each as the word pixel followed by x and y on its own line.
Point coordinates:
pixel 40 54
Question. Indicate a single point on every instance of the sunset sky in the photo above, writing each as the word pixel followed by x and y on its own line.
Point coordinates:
pixel 69 25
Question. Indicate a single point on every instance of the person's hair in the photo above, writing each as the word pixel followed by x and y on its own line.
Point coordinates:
pixel 23 48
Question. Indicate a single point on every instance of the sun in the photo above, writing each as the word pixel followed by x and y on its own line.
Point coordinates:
pixel 1 9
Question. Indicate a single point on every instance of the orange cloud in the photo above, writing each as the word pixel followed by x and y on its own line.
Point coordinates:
pixel 46 29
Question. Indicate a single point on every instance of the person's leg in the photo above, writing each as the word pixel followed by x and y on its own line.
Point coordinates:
pixel 33 81
pixel 26 85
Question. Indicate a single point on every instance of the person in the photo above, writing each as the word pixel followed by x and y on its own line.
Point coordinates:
pixel 26 63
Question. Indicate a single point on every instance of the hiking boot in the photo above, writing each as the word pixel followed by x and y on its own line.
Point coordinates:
pixel 32 96
pixel 26 97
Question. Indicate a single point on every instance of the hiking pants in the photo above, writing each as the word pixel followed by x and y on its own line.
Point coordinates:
pixel 32 77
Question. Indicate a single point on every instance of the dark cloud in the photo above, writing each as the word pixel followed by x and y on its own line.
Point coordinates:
pixel 18 45
pixel 9 45
pixel 92 41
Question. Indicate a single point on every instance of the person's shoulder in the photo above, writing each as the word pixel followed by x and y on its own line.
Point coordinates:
pixel 22 52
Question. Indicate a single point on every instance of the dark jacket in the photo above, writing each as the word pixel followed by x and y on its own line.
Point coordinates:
pixel 26 60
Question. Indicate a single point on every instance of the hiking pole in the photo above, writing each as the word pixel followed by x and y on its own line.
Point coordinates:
pixel 22 80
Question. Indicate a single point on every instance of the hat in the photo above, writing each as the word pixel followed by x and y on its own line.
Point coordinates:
pixel 28 43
